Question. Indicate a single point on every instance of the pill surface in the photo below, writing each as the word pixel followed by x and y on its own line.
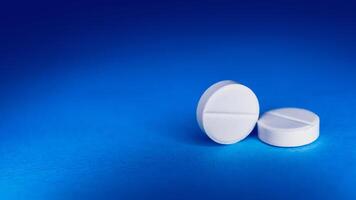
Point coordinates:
pixel 227 112
pixel 288 127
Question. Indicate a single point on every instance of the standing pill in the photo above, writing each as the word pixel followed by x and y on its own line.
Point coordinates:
pixel 227 112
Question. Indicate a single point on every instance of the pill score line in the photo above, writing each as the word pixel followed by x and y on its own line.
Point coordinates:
pixel 291 118
pixel 231 113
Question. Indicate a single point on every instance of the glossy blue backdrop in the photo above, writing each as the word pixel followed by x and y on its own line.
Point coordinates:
pixel 98 99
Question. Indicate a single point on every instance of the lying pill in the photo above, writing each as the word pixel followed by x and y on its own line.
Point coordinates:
pixel 288 127
pixel 227 112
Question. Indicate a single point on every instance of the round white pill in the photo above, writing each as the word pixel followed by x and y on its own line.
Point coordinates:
pixel 227 112
pixel 288 127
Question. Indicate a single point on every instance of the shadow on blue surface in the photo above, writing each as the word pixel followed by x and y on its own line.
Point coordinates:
pixel 187 131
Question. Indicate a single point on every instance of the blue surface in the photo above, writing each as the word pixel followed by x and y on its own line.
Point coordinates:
pixel 97 100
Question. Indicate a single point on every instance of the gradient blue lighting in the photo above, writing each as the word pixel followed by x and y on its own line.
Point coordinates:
pixel 98 99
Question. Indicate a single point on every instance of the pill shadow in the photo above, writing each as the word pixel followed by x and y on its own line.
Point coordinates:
pixel 253 134
pixel 185 129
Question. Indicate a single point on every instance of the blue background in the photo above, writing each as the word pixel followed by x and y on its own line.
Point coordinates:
pixel 98 99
